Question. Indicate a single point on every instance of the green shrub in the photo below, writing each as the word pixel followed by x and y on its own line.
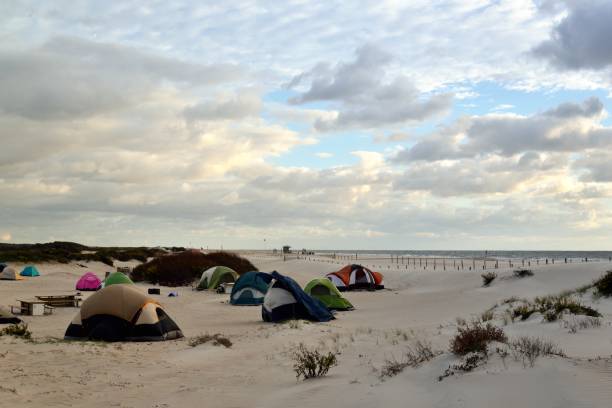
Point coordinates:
pixel 603 285
pixel 309 363
pixel 475 338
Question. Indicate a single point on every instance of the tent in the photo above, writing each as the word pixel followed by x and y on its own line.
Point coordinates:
pixel 2 266
pixel 6 317
pixel 117 278
pixel 352 277
pixel 213 277
pixel 285 300
pixel 89 281
pixel 9 273
pixel 122 313
pixel 30 270
pixel 250 289
pixel 327 293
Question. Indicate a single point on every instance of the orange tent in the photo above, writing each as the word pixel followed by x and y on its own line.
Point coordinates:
pixel 354 276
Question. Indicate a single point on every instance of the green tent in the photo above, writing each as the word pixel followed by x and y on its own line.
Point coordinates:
pixel 213 277
pixel 30 271
pixel 116 278
pixel 325 291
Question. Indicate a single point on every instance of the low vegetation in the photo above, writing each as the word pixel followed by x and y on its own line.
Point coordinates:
pixel 522 273
pixel 488 278
pixel 552 307
pixel 64 252
pixel 310 363
pixel 603 285
pixel 416 355
pixel 528 349
pixel 185 267
pixel 216 339
pixel 575 324
pixel 17 330
pixel 474 338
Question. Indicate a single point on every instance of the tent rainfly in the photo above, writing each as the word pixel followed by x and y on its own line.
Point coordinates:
pixel 250 289
pixel 213 277
pixel 324 290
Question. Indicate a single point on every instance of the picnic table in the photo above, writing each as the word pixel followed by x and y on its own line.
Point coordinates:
pixel 61 300
pixel 32 307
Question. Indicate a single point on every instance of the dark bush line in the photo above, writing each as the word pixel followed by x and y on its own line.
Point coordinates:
pixel 603 285
pixel 64 252
pixel 185 267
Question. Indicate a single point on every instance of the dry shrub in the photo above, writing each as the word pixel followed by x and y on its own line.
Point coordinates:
pixel 487 278
pixel 183 268
pixel 469 363
pixel 416 355
pixel 576 324
pixel 217 339
pixel 17 330
pixel 475 337
pixel 528 349
pixel 309 363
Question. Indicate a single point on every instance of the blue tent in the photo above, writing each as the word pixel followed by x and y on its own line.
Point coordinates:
pixel 286 300
pixel 30 271
pixel 250 289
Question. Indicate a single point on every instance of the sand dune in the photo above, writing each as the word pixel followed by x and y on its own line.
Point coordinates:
pixel 257 370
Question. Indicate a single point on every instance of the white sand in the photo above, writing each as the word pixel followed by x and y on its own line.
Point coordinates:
pixel 257 371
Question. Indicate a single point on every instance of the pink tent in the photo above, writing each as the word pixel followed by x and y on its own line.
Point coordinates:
pixel 88 281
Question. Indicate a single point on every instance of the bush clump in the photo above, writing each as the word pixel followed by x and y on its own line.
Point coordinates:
pixel 487 278
pixel 17 330
pixel 185 267
pixel 311 363
pixel 522 273
pixel 475 337
pixel 603 285
pixel 217 339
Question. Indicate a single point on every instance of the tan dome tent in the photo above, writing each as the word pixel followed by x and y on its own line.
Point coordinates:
pixel 122 313
pixel 10 274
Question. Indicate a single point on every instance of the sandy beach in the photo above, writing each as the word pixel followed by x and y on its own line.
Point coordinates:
pixel 257 369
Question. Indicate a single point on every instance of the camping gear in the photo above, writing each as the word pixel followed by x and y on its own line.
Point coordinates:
pixel 324 290
pixel 2 266
pixel 89 281
pixel 30 270
pixel 173 294
pixel 10 274
pixel 286 300
pixel 122 313
pixel 250 289
pixel 7 317
pixel 116 278
pixel 354 277
pixel 213 277
pixel 153 291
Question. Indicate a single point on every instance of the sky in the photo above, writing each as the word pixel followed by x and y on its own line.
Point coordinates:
pixel 472 124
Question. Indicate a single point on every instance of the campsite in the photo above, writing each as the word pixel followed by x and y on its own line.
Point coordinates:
pixel 224 343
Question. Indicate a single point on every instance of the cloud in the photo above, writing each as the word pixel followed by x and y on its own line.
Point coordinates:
pixel 569 127
pixel 6 236
pixel 69 78
pixel 243 104
pixel 582 39
pixel 363 94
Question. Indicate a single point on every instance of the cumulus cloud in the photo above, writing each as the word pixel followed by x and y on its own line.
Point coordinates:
pixel 364 95
pixel 73 78
pixel 569 127
pixel 582 39
pixel 243 104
